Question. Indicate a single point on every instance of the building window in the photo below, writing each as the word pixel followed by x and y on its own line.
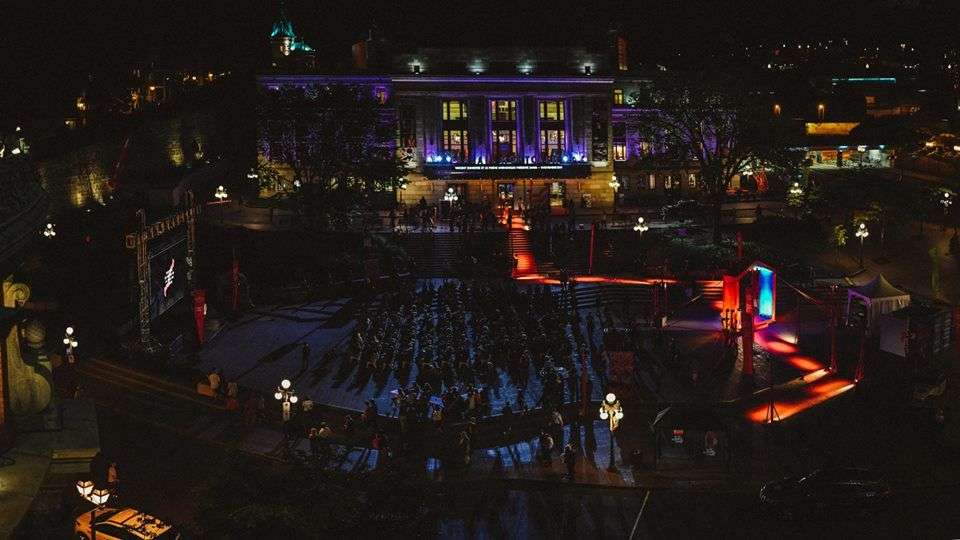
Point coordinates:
pixel 381 95
pixel 668 182
pixel 653 181
pixel 552 143
pixel 621 53
pixel 692 180
pixel 455 143
pixel 504 146
pixel 551 110
pixel 644 148
pixel 408 126
pixel 619 152
pixel 503 110
pixel 617 96
pixel 454 109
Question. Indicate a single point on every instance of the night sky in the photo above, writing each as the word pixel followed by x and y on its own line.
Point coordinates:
pixel 54 45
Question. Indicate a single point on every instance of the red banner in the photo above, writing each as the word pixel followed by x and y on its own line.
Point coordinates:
pixel 200 312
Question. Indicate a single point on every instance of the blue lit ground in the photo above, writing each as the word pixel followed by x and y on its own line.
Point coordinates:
pixel 265 346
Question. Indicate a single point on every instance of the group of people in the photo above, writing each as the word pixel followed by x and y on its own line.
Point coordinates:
pixel 465 339
pixel 464 216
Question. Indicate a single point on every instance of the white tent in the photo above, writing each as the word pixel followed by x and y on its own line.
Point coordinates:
pixel 879 297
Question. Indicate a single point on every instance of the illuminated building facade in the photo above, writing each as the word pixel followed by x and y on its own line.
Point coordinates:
pixel 520 126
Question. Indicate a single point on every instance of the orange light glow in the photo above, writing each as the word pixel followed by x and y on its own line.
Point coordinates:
pixel 815 391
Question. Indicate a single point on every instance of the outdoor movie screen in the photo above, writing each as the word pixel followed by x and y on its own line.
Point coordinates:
pixel 168 274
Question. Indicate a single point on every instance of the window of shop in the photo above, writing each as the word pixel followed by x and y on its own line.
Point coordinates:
pixel 558 193
pixel 551 110
pixel 668 182
pixel 653 181
pixel 454 109
pixel 619 152
pixel 617 96
pixel 503 110
pixel 408 126
pixel 552 143
pixel 455 143
pixel 692 180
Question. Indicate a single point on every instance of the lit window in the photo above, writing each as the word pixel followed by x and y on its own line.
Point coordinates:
pixel 504 144
pixel 617 96
pixel 454 110
pixel 503 110
pixel 692 180
pixel 455 143
pixel 552 142
pixel 668 182
pixel 381 95
pixel 619 152
pixel 551 110
pixel 653 181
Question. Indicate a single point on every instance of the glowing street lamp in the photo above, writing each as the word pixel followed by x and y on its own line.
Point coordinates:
pixel 946 201
pixel 98 497
pixel 50 230
pixel 615 185
pixel 70 342
pixel 862 233
pixel 221 196
pixel 796 190
pixel 612 411
pixel 641 226
pixel 821 110
pixel 287 396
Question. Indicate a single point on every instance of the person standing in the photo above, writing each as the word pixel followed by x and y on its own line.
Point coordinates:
pixel 304 357
pixel 113 479
pixel 570 460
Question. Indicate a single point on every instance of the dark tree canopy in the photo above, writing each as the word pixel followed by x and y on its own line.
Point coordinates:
pixel 333 139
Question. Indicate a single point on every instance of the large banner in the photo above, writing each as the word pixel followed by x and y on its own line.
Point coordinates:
pixel 168 273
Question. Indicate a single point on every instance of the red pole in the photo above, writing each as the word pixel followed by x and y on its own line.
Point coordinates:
pixel 747 325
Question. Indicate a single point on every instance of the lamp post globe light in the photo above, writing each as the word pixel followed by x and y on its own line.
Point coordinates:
pixel 221 196
pixel 70 342
pixel 615 185
pixel 612 411
pixel 49 230
pixel 287 396
pixel 862 233
pixel 641 226
pixel 96 496
pixel 946 201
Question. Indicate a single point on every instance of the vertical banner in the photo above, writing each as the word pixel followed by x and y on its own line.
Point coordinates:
pixel 235 285
pixel 200 312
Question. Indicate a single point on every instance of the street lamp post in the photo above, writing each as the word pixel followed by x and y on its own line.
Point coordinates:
pixel 221 196
pixel 450 197
pixel 98 497
pixel 821 110
pixel 946 201
pixel 641 227
pixel 795 193
pixel 50 230
pixel 611 410
pixel 287 396
pixel 862 233
pixel 615 185
pixel 70 342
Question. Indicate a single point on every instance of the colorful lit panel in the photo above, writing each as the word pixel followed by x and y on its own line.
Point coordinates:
pixel 765 298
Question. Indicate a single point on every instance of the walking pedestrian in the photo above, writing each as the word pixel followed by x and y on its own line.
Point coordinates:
pixel 113 479
pixel 569 460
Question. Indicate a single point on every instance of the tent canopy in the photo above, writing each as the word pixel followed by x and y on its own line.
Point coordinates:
pixel 879 296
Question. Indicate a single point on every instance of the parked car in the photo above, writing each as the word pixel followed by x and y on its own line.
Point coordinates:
pixel 124 524
pixel 841 489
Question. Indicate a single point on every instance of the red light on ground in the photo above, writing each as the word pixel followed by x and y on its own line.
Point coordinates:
pixel 804 363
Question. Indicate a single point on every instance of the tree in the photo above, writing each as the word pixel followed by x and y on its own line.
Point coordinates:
pixel 707 117
pixel 336 144
pixel 838 238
